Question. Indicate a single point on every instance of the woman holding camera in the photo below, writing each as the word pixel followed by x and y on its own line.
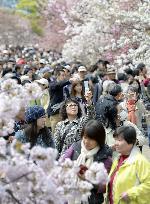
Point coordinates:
pixel 68 130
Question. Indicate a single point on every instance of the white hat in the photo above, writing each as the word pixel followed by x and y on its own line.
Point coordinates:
pixel 67 67
pixel 82 69
pixel 42 81
pixel 5 52
pixel 24 78
pixel 42 61
pixel 46 69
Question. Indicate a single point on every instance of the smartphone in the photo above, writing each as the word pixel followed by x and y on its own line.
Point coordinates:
pixel 86 86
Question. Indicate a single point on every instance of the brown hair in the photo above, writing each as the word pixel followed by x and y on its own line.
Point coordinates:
pixel 32 135
pixel 73 92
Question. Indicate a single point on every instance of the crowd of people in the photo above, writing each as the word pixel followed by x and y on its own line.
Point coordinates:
pixel 88 114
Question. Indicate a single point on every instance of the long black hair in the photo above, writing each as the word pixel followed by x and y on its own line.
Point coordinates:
pixel 32 134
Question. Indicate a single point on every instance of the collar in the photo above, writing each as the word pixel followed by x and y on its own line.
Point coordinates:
pixel 73 121
pixel 133 154
pixel 108 130
pixel 131 159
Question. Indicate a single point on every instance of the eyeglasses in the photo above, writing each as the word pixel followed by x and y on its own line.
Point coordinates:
pixel 44 116
pixel 71 105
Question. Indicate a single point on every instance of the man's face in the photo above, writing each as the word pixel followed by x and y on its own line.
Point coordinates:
pixel 120 96
pixel 112 76
pixel 20 70
pixel 100 66
pixel 82 74
pixel 33 70
pixel 144 71
pixel 67 73
pixel 61 76
pixel 10 65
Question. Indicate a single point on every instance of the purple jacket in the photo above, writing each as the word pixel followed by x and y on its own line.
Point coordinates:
pixel 103 155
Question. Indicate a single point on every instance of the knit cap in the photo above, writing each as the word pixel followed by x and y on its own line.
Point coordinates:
pixel 33 113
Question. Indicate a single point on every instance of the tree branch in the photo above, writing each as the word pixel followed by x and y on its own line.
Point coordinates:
pixel 20 177
pixel 12 196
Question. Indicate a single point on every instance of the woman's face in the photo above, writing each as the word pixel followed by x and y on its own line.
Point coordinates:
pixel 122 146
pixel 130 78
pixel 135 84
pixel 41 122
pixel 89 143
pixel 72 109
pixel 78 88
pixel 30 73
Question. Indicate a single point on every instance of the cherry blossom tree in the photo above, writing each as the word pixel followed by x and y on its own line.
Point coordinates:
pixel 13 97
pixel 118 31
pixel 34 176
pixel 56 14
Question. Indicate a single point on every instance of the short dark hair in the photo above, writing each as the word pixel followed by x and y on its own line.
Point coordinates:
pixel 58 71
pixel 141 66
pixel 132 89
pixel 17 79
pixel 25 82
pixel 128 133
pixel 95 130
pixel 6 71
pixel 122 76
pixel 136 72
pixel 63 112
pixel 129 71
pixel 17 67
pixel 115 90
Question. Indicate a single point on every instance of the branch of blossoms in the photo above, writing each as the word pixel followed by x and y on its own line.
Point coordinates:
pixel 34 176
pixel 127 23
pixel 13 97
pixel 12 196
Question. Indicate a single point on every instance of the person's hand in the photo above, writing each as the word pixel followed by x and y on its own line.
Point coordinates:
pixel 10 139
pixel 81 173
pixel 88 97
pixel 125 197
pixel 74 80
pixel 81 176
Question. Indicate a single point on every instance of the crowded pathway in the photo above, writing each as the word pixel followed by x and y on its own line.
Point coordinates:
pixel 88 114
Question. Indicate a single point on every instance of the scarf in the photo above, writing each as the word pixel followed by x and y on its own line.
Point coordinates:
pixel 131 106
pixel 87 156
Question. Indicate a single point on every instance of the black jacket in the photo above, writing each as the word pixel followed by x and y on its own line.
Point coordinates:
pixel 106 111
pixel 56 96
